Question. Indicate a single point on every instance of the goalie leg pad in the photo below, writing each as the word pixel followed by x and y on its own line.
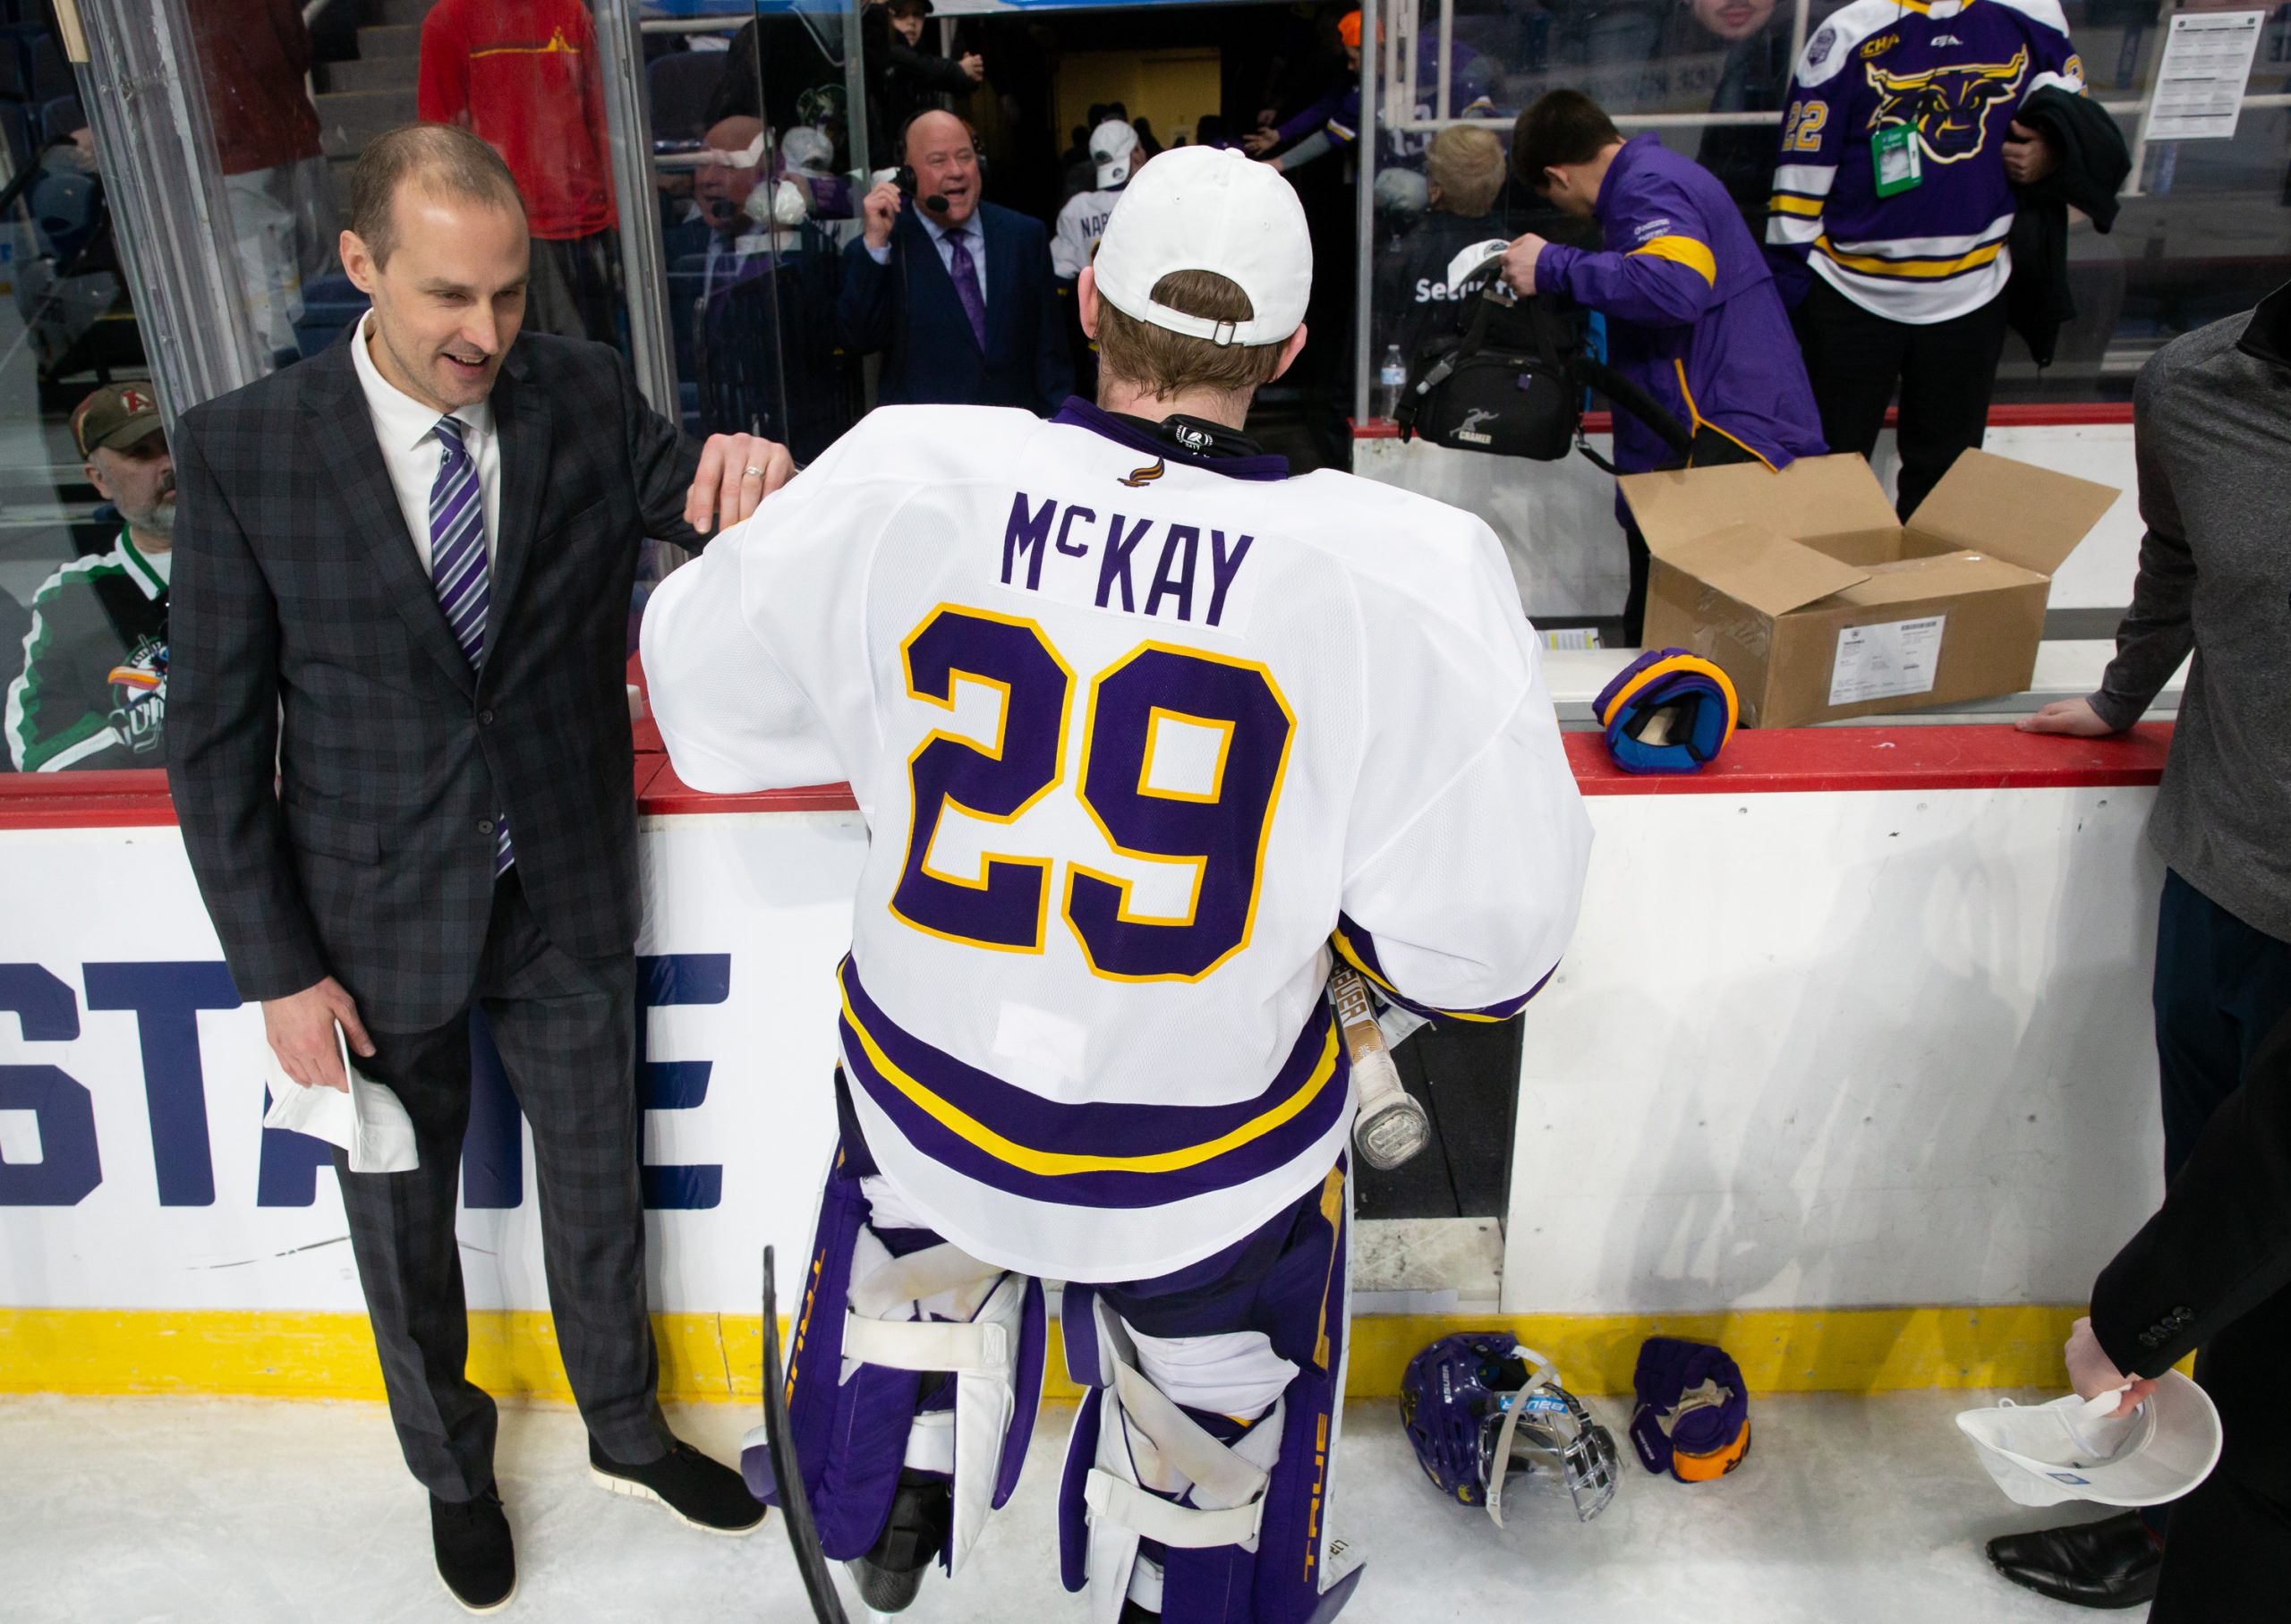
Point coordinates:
pixel 1165 1497
pixel 908 1354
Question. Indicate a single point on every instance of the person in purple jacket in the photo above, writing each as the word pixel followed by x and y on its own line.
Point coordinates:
pixel 1692 316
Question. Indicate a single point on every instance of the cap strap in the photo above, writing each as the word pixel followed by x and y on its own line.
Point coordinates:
pixel 1220 333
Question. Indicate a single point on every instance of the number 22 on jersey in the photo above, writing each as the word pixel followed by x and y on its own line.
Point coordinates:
pixel 1157 698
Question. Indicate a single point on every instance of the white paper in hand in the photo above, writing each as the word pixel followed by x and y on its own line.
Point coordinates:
pixel 370 1122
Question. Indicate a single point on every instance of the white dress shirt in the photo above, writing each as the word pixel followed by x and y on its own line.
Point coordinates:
pixel 412 451
pixel 973 231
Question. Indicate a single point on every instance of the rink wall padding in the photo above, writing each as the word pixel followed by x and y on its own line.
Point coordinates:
pixel 718 1357
pixel 1848 1068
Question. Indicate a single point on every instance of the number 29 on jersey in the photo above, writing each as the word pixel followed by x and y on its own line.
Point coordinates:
pixel 1226 715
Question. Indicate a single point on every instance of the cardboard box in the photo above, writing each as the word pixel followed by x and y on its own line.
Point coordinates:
pixel 1818 603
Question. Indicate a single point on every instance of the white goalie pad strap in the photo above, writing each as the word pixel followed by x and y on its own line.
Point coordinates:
pixel 1180 1528
pixel 981 1347
pixel 916 1278
pixel 986 1398
pixel 1217 1475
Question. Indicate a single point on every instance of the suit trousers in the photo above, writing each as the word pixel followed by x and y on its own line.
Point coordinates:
pixel 2220 987
pixel 2229 1557
pixel 565 1029
pixel 1947 369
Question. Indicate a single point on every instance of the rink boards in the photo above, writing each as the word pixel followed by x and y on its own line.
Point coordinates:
pixel 1850 1065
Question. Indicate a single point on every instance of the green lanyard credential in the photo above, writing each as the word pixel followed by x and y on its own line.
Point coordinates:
pixel 1896 159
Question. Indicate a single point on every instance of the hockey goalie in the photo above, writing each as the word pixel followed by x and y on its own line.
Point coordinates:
pixel 1144 730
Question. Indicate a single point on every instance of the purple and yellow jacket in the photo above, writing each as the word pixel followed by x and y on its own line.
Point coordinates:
pixel 1691 310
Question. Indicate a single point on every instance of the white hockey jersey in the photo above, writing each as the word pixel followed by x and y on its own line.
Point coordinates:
pixel 1135 735
pixel 1074 241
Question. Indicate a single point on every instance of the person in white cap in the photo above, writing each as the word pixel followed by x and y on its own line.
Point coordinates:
pixel 1113 158
pixel 1144 731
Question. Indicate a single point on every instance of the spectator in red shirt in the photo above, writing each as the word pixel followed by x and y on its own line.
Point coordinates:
pixel 253 58
pixel 524 76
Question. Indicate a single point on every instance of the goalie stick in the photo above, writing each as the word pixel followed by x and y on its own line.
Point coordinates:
pixel 795 1505
pixel 1392 1126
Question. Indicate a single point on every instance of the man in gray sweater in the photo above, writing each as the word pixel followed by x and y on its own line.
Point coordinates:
pixel 2211 426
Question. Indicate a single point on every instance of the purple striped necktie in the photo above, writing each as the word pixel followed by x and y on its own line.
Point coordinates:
pixel 457 566
pixel 964 273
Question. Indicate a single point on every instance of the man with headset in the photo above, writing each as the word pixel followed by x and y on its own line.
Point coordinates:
pixel 956 293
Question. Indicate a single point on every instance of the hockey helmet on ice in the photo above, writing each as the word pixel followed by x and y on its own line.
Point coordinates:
pixel 1473 1403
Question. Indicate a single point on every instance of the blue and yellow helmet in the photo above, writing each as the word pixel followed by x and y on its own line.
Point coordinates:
pixel 1668 712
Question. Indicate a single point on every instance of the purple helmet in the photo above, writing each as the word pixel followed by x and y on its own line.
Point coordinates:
pixel 1470 1400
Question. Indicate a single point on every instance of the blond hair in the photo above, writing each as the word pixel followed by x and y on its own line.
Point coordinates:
pixel 1466 164
pixel 1166 363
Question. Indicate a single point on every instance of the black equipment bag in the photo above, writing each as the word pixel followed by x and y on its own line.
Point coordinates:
pixel 1520 394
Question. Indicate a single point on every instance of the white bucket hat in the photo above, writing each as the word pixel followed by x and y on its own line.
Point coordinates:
pixel 1211 210
pixel 2076 1448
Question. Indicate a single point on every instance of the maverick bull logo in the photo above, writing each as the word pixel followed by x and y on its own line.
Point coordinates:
pixel 1948 107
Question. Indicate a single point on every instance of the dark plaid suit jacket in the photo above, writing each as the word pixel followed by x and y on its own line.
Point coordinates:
pixel 304 625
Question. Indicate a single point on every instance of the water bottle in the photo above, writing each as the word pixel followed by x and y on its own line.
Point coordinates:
pixel 1392 377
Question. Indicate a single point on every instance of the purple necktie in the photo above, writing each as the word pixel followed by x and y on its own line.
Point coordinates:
pixel 458 564
pixel 960 266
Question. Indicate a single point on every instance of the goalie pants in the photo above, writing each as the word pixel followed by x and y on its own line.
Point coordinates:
pixel 1196 1481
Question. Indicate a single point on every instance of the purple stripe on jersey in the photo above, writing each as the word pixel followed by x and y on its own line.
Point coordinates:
pixel 1106 1130
pixel 1361 947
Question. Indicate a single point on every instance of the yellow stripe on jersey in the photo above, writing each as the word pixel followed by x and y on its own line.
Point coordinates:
pixel 1869 265
pixel 1783 203
pixel 1690 252
pixel 1053 1164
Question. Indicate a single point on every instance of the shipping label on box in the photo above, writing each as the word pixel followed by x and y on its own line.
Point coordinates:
pixel 1886 661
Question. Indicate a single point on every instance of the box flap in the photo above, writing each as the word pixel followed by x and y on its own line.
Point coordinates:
pixel 1753 565
pixel 2014 511
pixel 1953 574
pixel 1812 496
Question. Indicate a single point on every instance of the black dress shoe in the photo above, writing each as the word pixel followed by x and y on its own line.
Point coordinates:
pixel 2109 1563
pixel 700 1491
pixel 890 1574
pixel 475 1557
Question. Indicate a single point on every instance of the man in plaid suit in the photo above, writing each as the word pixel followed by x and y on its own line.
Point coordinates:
pixel 403 576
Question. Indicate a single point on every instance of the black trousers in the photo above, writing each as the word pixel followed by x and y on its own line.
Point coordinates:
pixel 2221 985
pixel 2229 1558
pixel 1947 371
pixel 566 1031
pixel 576 288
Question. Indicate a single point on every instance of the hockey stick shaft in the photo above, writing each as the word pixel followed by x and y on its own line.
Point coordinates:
pixel 795 1504
pixel 1392 1127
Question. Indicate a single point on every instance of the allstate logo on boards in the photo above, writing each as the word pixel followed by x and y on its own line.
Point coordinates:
pixel 166 998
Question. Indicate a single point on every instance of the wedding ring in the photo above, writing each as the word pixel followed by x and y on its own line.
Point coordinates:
pixel 753 469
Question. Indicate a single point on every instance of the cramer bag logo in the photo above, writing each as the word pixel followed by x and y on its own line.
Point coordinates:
pixel 1948 107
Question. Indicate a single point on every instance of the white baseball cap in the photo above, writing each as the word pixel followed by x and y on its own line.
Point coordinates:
pixel 2076 1449
pixel 1209 208
pixel 1113 146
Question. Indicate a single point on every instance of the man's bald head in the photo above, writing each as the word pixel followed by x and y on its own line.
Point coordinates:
pixel 721 190
pixel 941 150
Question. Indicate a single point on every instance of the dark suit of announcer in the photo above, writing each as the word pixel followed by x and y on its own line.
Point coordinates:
pixel 407 575
pixel 964 309
pixel 2213 1270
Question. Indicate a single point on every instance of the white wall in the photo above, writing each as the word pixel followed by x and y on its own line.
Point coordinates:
pixel 1842 1050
